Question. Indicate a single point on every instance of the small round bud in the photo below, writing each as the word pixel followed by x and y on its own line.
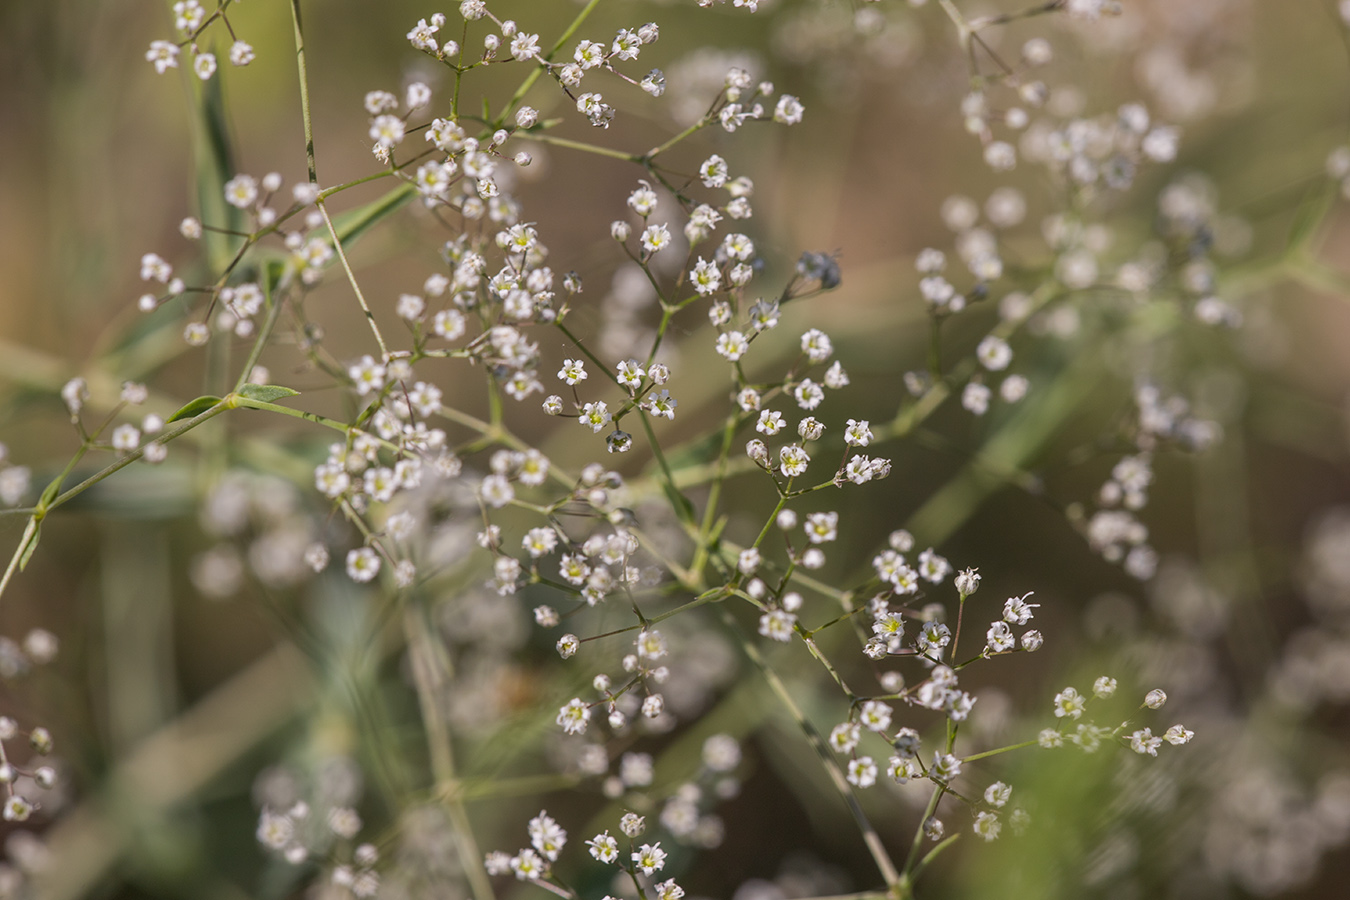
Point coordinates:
pixel 196 334
pixel 1155 698
pixel 967 582
pixel 41 739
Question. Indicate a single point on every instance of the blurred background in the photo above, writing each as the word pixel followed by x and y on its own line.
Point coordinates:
pixel 201 676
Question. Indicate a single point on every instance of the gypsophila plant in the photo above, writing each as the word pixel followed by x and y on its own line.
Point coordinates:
pixel 597 525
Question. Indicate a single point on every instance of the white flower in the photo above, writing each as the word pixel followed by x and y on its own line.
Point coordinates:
pixel 844 737
pixel 1143 741
pixel 732 345
pixel 595 416
pixel 367 375
pixel 363 564
pixel 777 625
pixel 204 65
pixel 661 404
pixel 1069 702
pixel 713 171
pixel 604 847
pixel 241 191
pixel 573 716
pixel 163 54
pixel 1103 687
pixel 649 858
pixel 822 527
pixel 573 371
pixel 655 238
pixel 792 460
pixel 525 47
pixel 975 398
pixel 862 772
pixel 987 825
pixel 788 110
pixel 858 433
pixel 875 716
pixel 816 345
pixel 1178 735
pixel 994 353
pixel 705 277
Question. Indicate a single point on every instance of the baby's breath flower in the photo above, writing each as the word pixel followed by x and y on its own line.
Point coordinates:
pixel 705 278
pixel 844 737
pixel 363 564
pixel 17 809
pixel 632 825
pixel 975 398
pixel 1017 611
pixel 732 345
pixel 999 638
pixel 595 416
pixel 661 404
pixel 1155 699
pixel 994 353
pixel 713 171
pixel 1070 703
pixel 901 769
pixel 204 65
pixel 816 345
pixel 987 825
pixel 1178 735
pixel 945 767
pixel 241 191
pixel 858 433
pixel 933 568
pixel 788 110
pixel 822 527
pixel 604 847
pixel 574 716
pixel 875 716
pixel 649 858
pixel 777 625
pixel 862 772
pixel 1143 741
pixel 164 54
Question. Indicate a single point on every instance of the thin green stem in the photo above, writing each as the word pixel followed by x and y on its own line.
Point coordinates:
pixel 541 138
pixel 351 278
pixel 304 91
pixel 870 837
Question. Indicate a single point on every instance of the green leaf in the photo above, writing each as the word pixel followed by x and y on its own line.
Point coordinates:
pixel 683 507
pixel 49 492
pixel 30 542
pixel 1309 216
pixel 194 408
pixel 356 222
pixel 214 162
pixel 267 393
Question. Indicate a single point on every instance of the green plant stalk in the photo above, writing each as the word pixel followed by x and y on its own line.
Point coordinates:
pixel 870 837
